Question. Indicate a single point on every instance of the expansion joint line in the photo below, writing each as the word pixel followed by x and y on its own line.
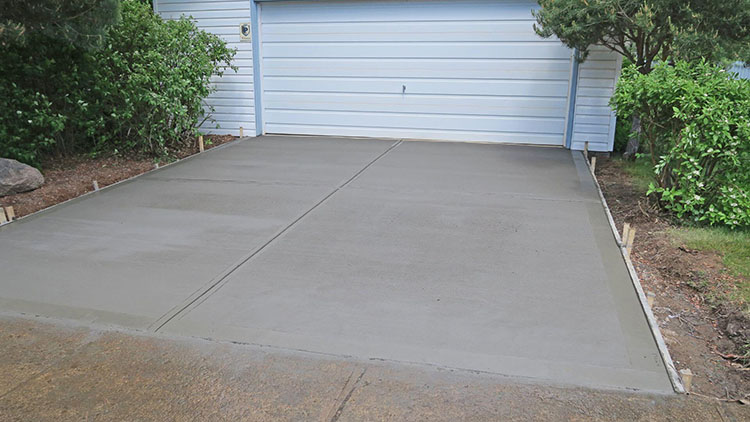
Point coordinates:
pixel 214 285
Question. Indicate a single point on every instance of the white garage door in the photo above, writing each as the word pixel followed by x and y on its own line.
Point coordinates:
pixel 430 69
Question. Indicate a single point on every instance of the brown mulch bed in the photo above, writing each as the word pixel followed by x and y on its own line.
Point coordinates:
pixel 68 177
pixel 701 335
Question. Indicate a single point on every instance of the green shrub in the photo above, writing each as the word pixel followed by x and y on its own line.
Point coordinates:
pixel 35 124
pixel 696 126
pixel 152 77
pixel 622 134
pixel 141 91
pixel 41 98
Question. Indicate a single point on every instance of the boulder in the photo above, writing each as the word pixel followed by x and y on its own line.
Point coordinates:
pixel 16 177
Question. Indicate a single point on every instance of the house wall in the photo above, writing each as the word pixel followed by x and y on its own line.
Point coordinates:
pixel 742 71
pixel 594 120
pixel 234 100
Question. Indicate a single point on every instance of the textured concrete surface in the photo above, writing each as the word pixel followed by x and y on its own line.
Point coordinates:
pixel 129 254
pixel 118 376
pixel 482 257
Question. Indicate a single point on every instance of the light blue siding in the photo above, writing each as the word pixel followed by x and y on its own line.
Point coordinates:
pixel 234 99
pixel 594 120
pixel 470 70
pixel 433 69
pixel 741 70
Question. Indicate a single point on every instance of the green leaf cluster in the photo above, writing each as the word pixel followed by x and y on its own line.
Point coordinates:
pixel 645 31
pixel 151 79
pixel 696 123
pixel 142 90
pixel 80 22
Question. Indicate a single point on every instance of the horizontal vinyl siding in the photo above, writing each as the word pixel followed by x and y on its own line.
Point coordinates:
pixel 473 70
pixel 742 71
pixel 594 120
pixel 234 99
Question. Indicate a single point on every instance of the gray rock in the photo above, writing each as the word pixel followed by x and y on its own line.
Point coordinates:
pixel 16 177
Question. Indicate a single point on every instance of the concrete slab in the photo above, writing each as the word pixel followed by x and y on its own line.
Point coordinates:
pixel 507 266
pixel 130 254
pixel 481 257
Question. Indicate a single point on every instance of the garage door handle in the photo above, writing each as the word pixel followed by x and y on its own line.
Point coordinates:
pixel 403 89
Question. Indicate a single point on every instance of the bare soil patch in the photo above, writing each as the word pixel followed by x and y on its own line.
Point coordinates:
pixel 703 333
pixel 68 177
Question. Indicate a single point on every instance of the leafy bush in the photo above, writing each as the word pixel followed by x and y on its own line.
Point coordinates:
pixel 36 124
pixel 43 98
pixel 141 91
pixel 152 77
pixel 622 134
pixel 696 124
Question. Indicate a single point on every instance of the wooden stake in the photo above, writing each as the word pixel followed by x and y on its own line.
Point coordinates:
pixel 687 379
pixel 625 233
pixel 593 164
pixel 242 132
pixel 586 149
pixel 3 220
pixel 200 143
pixel 96 185
pixel 11 213
pixel 629 243
pixel 650 297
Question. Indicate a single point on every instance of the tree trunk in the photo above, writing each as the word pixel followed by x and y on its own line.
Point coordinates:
pixel 635 135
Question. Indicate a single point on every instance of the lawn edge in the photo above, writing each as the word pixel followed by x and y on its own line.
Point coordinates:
pixel 661 345
pixel 123 181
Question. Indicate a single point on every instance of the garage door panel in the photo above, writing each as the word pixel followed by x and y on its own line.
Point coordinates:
pixel 412 133
pixel 393 11
pixel 415 86
pixel 536 69
pixel 499 30
pixel 423 68
pixel 454 50
pixel 472 105
pixel 416 120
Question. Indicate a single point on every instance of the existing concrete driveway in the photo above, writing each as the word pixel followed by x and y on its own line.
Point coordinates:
pixel 482 257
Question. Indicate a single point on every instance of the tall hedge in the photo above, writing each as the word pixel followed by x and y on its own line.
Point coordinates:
pixel 696 123
pixel 140 91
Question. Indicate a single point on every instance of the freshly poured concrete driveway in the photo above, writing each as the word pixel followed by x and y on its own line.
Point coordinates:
pixel 482 257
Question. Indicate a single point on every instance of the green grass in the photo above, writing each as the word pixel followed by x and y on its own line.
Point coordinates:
pixel 733 246
pixel 641 171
